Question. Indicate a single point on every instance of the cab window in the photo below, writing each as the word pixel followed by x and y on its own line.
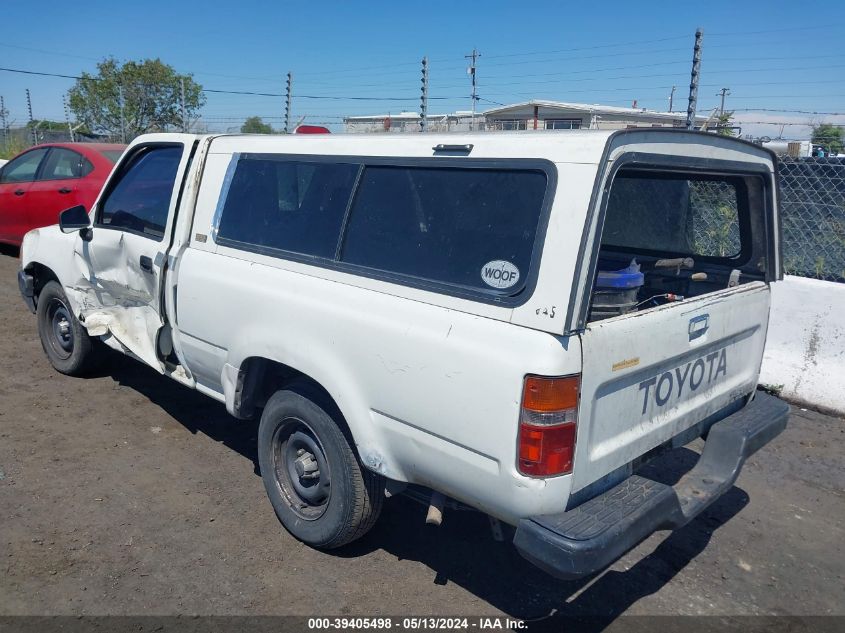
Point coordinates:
pixel 139 201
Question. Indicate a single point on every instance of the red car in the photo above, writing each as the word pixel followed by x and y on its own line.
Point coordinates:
pixel 36 185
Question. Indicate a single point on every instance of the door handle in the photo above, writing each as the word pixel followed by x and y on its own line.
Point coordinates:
pixel 19 192
pixel 65 190
pixel 146 264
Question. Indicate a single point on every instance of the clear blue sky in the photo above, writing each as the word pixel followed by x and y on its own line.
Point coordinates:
pixel 776 55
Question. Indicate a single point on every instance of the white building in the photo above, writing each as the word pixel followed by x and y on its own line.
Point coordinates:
pixel 410 122
pixel 557 115
pixel 530 115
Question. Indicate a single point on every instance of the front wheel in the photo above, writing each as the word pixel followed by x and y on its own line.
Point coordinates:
pixel 319 490
pixel 65 341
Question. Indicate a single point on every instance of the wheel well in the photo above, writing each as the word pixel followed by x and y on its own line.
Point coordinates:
pixel 260 378
pixel 40 275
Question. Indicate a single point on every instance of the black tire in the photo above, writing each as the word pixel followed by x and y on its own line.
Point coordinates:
pixel 298 437
pixel 65 341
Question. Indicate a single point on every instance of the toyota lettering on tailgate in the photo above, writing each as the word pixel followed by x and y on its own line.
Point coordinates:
pixel 689 377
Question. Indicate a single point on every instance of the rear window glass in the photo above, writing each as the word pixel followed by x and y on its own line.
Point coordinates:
pixel 469 227
pixel 667 213
pixel 286 205
pixel 113 155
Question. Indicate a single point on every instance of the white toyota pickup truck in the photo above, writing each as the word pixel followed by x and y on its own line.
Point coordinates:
pixel 513 322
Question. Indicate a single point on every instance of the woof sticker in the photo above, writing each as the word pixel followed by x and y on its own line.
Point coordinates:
pixel 499 274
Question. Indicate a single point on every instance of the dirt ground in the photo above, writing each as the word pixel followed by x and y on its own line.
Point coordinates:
pixel 125 493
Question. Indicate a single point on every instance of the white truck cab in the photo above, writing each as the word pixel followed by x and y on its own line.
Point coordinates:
pixel 512 322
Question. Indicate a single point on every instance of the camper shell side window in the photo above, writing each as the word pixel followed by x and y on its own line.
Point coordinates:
pixel 471 228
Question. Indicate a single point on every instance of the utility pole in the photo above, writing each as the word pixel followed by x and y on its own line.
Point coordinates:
pixel 4 124
pixel 723 93
pixel 424 96
pixel 695 76
pixel 122 118
pixel 31 121
pixel 182 107
pixel 288 87
pixel 67 119
pixel 471 70
pixel 672 98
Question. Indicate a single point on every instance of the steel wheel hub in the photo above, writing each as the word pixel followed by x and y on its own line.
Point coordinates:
pixel 60 325
pixel 301 469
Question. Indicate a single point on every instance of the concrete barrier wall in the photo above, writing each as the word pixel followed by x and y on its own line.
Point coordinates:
pixel 805 349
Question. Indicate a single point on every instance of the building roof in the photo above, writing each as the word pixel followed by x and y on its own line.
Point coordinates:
pixel 589 108
pixel 408 116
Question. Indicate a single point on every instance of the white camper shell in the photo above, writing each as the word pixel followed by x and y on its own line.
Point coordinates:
pixel 511 322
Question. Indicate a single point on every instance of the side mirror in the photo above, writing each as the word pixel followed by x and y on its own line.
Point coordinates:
pixel 74 219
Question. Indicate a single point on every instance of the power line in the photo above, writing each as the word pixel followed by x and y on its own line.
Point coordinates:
pixel 32 72
pixel 235 92
pixel 591 71
pixel 796 123
pixel 499 56
pixel 588 48
pixel 792 96
pixel 493 85
pixel 346 74
pixel 563 81
pixel 241 92
pixel 585 48
pixel 788 111
pixel 358 98
pixel 98 59
pixel 790 29
pixel 41 50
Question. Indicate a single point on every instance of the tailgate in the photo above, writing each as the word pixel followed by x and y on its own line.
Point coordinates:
pixel 651 375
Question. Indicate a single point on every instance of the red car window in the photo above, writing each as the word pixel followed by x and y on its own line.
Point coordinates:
pixel 62 164
pixel 24 167
pixel 113 155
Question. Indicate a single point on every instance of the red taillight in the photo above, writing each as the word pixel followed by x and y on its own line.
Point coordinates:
pixel 547 425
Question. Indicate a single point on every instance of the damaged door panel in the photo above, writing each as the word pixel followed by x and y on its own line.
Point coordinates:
pixel 120 266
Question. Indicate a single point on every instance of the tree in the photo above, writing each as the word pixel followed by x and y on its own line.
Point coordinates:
pixel 724 125
pixel 125 100
pixel 829 136
pixel 47 125
pixel 254 125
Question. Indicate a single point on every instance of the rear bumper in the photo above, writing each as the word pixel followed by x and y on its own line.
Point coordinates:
pixel 593 535
pixel 26 284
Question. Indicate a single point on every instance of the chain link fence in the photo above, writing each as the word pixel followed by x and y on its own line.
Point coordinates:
pixel 812 210
pixel 812 204
pixel 715 218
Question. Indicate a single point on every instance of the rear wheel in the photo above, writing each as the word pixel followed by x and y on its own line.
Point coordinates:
pixel 65 341
pixel 319 490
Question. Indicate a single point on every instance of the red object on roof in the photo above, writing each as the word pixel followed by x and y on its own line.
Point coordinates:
pixel 311 129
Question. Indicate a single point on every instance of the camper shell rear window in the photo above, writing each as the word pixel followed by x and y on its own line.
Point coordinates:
pixel 465 227
pixel 687 214
pixel 674 232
